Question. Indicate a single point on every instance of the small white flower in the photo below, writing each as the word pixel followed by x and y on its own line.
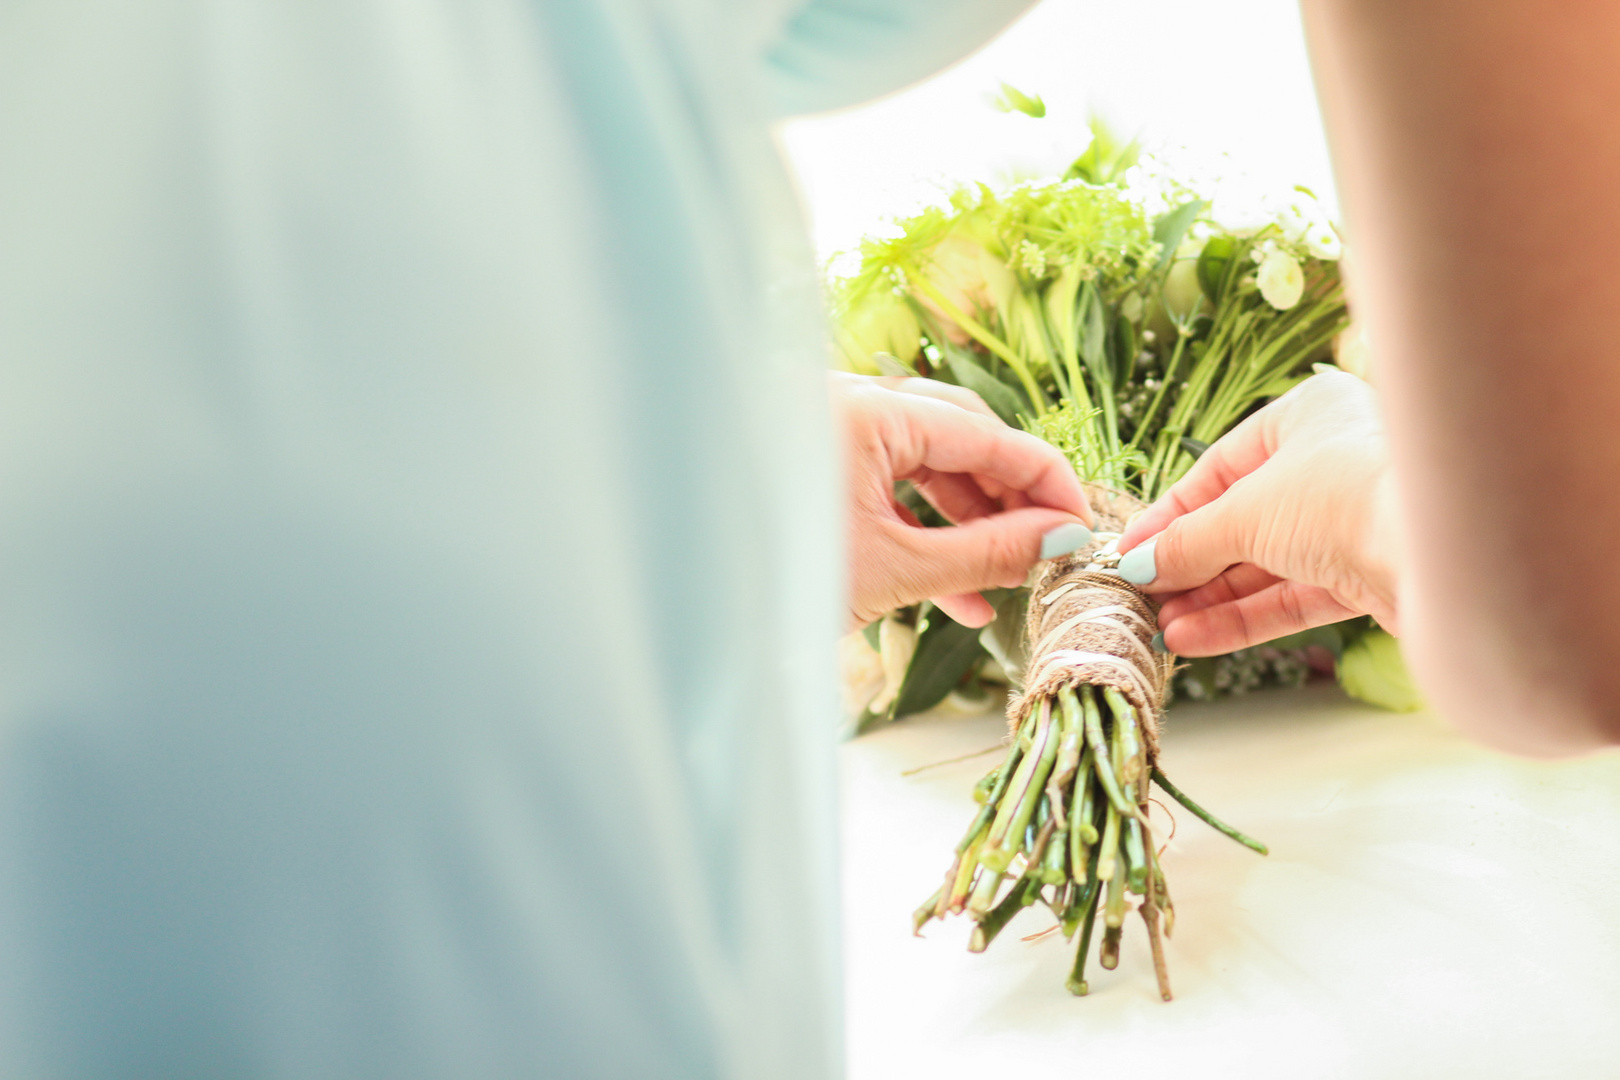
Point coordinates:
pixel 1322 242
pixel 1281 280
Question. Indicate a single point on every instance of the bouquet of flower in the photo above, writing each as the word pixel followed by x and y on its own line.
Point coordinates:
pixel 1110 314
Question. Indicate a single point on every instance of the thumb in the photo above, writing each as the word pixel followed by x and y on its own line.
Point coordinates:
pixel 1198 546
pixel 997 549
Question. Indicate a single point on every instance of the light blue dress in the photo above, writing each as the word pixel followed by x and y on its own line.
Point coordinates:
pixel 418 536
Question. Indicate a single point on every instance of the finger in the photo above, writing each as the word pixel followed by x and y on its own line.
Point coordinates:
pixel 1199 546
pixel 1236 454
pixel 956 496
pixel 1236 583
pixel 960 396
pixel 932 435
pixel 969 609
pixel 988 551
pixel 1284 608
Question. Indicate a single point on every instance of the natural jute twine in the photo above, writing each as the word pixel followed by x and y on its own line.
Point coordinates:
pixel 1089 626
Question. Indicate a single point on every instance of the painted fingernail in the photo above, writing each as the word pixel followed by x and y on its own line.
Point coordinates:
pixel 1158 642
pixel 1137 566
pixel 1064 539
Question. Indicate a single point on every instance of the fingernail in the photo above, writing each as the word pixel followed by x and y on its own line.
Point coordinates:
pixel 1137 567
pixel 1158 642
pixel 1064 539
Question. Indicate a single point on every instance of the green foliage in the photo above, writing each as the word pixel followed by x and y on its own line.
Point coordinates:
pixel 1373 670
pixel 1106 312
pixel 1011 99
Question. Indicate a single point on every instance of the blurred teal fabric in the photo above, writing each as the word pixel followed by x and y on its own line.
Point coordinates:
pixel 419 537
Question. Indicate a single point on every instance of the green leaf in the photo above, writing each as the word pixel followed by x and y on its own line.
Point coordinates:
pixel 1003 639
pixel 1171 228
pixel 870 633
pixel 1012 99
pixel 889 365
pixel 1372 670
pixel 946 651
pixel 1094 334
pixel 1125 348
pixel 1195 447
pixel 1212 264
pixel 1008 403
pixel 1106 159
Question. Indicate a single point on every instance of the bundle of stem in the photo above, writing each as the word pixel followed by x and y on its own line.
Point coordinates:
pixel 1065 823
pixel 1064 819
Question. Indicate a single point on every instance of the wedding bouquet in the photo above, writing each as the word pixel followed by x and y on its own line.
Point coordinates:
pixel 1111 314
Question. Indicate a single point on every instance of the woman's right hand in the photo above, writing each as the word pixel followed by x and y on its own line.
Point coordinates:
pixel 1282 525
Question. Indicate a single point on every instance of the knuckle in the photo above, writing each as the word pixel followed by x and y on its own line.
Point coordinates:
pixel 1003 553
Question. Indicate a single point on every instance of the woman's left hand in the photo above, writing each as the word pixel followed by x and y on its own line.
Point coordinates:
pixel 1004 490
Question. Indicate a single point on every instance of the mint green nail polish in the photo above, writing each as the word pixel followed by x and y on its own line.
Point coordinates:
pixel 1137 566
pixel 1064 539
pixel 1158 642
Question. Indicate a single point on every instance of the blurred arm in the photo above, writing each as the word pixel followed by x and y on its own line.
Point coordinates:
pixel 835 53
pixel 1478 154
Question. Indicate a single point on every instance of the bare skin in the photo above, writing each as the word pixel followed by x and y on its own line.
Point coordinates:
pixel 1477 153
pixel 1004 489
pixel 1279 527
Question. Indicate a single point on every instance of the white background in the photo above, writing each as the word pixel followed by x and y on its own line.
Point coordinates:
pixel 1221 87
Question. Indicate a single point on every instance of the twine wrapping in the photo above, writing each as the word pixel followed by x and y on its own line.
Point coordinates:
pixel 1089 626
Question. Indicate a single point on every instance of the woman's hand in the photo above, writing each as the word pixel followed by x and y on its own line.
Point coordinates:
pixel 1013 499
pixel 1280 526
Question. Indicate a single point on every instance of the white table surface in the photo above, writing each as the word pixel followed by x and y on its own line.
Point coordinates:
pixel 1430 908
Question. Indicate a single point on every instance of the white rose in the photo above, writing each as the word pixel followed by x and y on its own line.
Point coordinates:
pixel 1281 280
pixel 897 643
pixel 861 668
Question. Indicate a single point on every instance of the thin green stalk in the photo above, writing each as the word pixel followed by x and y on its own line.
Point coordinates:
pixel 1115 914
pixel 988 810
pixel 1108 860
pixel 1019 897
pixel 984 893
pixel 971 326
pixel 1100 754
pixel 1082 833
pixel 1012 798
pixel 1090 899
pixel 928 910
pixel 1168 377
pixel 998 856
pixel 1205 816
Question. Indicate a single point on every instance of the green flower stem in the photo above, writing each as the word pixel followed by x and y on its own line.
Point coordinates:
pixel 1022 817
pixel 1205 816
pixel 1013 797
pixel 1108 860
pixel 984 893
pixel 1114 916
pixel 967 866
pixel 1169 377
pixel 970 326
pixel 1019 897
pixel 1108 955
pixel 1100 754
pixel 1082 833
pixel 987 811
pixel 929 910
pixel 1088 901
